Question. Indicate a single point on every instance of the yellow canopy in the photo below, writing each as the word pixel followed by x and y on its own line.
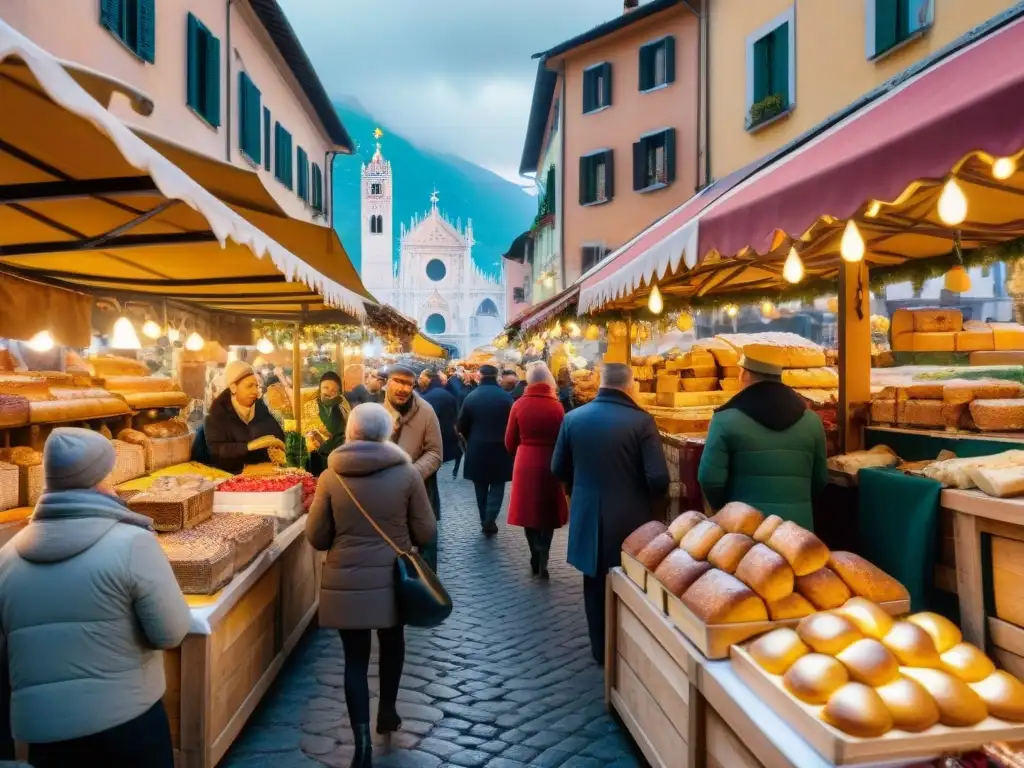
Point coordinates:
pixel 425 347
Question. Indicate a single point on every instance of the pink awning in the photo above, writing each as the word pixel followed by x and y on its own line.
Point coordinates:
pixel 545 310
pixel 972 101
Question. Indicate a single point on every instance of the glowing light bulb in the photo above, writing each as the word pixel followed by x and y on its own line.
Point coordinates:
pixel 151 330
pixel 194 342
pixel 732 310
pixel 124 335
pixel 655 303
pixel 767 308
pixel 41 342
pixel 173 335
pixel 873 210
pixel 793 269
pixel 851 248
pixel 1004 168
pixel 264 346
pixel 952 204
pixel 574 331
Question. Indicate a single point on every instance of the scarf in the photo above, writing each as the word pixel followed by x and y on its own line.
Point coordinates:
pixel 245 414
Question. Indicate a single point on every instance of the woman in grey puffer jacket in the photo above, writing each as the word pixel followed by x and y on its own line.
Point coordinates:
pixel 87 603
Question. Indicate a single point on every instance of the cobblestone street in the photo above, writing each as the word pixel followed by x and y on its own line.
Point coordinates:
pixel 507 681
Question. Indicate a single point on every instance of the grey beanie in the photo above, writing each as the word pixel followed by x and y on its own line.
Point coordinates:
pixel 76 459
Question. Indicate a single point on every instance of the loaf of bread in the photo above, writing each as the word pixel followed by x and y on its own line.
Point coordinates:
pixel 701 538
pixel 729 550
pixel 956 392
pixel 116 366
pixel 767 528
pixel 804 551
pixel 912 708
pixel 858 710
pixel 737 517
pixel 943 632
pixel 77 393
pixel 14 411
pixel 636 541
pixel 141 400
pixel 853 462
pixel 824 589
pixel 937 320
pixel 21 456
pixel 883 411
pixel 872 620
pixel 814 677
pixel 1000 482
pixel 777 650
pixel 766 572
pixel 967 662
pixel 784 356
pixel 718 598
pixel 811 378
pixel 1003 695
pixel 793 606
pixel 998 415
pixel 922 413
pixel 678 571
pixel 168 428
pixel 865 579
pixel 682 524
pixel 827 632
pixel 707 384
pixel 49 411
pixel 134 384
pixel 959 705
pixel 27 386
pixel 657 549
pixel 912 646
pixel 869 662
pixel 928 390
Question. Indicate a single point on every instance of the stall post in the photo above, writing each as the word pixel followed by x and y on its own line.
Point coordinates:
pixel 854 349
pixel 339 352
pixel 297 377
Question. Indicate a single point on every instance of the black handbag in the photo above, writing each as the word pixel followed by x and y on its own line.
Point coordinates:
pixel 422 599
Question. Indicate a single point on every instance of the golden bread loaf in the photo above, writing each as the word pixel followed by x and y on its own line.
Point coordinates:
pixel 865 579
pixel 912 708
pixel 814 677
pixel 28 386
pixel 962 392
pixel 636 541
pixel 931 390
pixel 701 538
pixel 682 524
pixel 777 650
pixel 131 384
pixel 804 551
pixel 116 366
pixel 959 706
pixel 737 517
pixel 718 598
pixel 1003 695
pixel 678 571
pixel 729 550
pixel 967 662
pixel 766 572
pixel 858 710
pixel 786 356
pixel 871 619
pixel 794 606
pixel 824 589
pixel 811 378
pixel 912 645
pixel 140 400
pixel 943 632
pixel 869 662
pixel 998 415
pixel 827 632
pixel 767 528
pixel 657 549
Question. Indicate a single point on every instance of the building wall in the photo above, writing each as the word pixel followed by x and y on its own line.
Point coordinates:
pixel 71 30
pixel 832 65
pixel 632 114
pixel 517 276
pixel 547 240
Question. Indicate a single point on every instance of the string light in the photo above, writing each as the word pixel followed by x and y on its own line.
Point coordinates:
pixel 793 269
pixel 1004 168
pixel 851 248
pixel 194 342
pixel 173 335
pixel 732 310
pixel 125 336
pixel 655 303
pixel 952 204
pixel 41 342
pixel 151 330
pixel 264 346
pixel 767 308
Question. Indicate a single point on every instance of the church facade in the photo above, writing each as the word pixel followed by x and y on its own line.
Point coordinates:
pixel 437 283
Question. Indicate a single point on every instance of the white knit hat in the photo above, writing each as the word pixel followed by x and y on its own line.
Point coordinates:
pixel 235 371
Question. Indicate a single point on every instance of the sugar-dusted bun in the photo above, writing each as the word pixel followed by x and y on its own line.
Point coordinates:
pixel 823 588
pixel 827 632
pixel 871 619
pixel 967 662
pixel 804 551
pixel 642 536
pixel 777 650
pixel 767 528
pixel 943 632
pixel 682 524
pixel 793 606
pixel 911 706
pixel 657 549
pixel 959 706
pixel 718 598
pixel 814 677
pixel 678 571
pixel 766 572
pixel 912 645
pixel 701 538
pixel 737 517
pixel 729 550
pixel 865 579
pixel 858 710
pixel 1003 694
pixel 869 662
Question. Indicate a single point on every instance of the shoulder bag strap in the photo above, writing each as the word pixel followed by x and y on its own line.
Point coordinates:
pixel 365 514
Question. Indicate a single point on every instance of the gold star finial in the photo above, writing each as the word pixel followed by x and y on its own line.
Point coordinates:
pixel 378 133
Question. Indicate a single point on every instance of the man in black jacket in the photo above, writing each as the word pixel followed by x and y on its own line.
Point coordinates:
pixel 239 428
pixel 447 409
pixel 609 457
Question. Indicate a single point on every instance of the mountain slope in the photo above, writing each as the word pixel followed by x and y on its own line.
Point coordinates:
pixel 499 209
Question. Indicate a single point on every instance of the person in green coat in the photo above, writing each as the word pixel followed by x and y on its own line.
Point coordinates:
pixel 765 448
pixel 324 421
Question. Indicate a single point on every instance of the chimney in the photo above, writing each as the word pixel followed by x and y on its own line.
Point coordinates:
pixel 630 5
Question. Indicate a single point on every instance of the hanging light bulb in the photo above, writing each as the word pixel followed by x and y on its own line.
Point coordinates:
pixel 556 329
pixel 732 310
pixel 151 330
pixel 957 280
pixel 654 302
pixel 793 269
pixel 767 308
pixel 194 342
pixel 173 335
pixel 264 346
pixel 952 204
pixel 574 331
pixel 1004 168
pixel 873 210
pixel 851 248
pixel 41 342
pixel 124 335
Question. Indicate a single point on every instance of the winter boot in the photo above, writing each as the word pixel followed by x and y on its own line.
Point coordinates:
pixel 388 720
pixel 363 757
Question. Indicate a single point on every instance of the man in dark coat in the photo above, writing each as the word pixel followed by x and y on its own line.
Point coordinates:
pixel 482 424
pixel 609 457
pixel 459 385
pixel 370 391
pixel 447 409
pixel 239 428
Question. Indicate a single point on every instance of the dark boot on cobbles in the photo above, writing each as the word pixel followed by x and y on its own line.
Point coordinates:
pixel 363 757
pixel 388 721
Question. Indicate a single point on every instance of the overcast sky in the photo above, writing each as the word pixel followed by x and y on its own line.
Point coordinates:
pixel 454 75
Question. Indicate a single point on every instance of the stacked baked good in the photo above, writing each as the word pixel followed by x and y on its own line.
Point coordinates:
pixel 57 397
pixel 854 461
pixel 147 391
pixel 983 404
pixel 803 363
pixel 944 330
pixel 866 673
pixel 176 502
pixel 30 473
pixel 740 566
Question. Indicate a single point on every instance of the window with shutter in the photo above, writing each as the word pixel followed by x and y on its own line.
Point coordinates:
pixel 770 71
pixel 317 189
pixel 266 138
pixel 302 173
pixel 654 161
pixel 658 63
pixel 596 180
pixel 892 22
pixel 133 22
pixel 203 72
pixel 591 256
pixel 597 87
pixel 283 156
pixel 249 111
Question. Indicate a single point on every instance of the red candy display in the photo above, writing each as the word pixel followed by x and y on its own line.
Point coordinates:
pixel 259 484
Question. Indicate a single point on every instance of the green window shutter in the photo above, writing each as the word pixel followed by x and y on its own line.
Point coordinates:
pixel 549 189
pixel 249 117
pixel 192 98
pixel 645 65
pixel 317 191
pixel 780 63
pixel 243 98
pixel 266 138
pixel 585 181
pixel 609 175
pixel 588 90
pixel 212 94
pixel 303 181
pixel 147 30
pixel 607 84
pixel 110 15
pixel 670 59
pixel 670 155
pixel 639 165
pixel 762 68
pixel 886 24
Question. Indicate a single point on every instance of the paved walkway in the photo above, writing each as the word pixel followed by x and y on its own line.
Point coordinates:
pixel 506 682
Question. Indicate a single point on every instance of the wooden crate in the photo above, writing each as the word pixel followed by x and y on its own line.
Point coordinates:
pixel 656 593
pixel 1007 576
pixel 724 748
pixel 634 570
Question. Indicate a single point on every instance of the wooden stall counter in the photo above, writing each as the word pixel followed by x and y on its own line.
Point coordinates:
pixel 237 644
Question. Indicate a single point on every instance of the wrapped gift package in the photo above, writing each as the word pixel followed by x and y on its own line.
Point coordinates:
pixel 202 564
pixel 250 534
pixel 175 503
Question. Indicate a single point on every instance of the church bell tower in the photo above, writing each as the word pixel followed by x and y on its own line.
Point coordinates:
pixel 377 238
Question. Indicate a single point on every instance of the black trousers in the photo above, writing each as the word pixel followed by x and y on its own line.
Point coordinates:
pixel 489 497
pixel 539 540
pixel 356 643
pixel 593 604
pixel 142 742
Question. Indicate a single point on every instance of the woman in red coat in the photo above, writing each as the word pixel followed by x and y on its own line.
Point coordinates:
pixel 538 501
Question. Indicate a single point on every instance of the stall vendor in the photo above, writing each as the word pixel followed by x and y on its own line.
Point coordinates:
pixel 765 448
pixel 239 428
pixel 323 420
